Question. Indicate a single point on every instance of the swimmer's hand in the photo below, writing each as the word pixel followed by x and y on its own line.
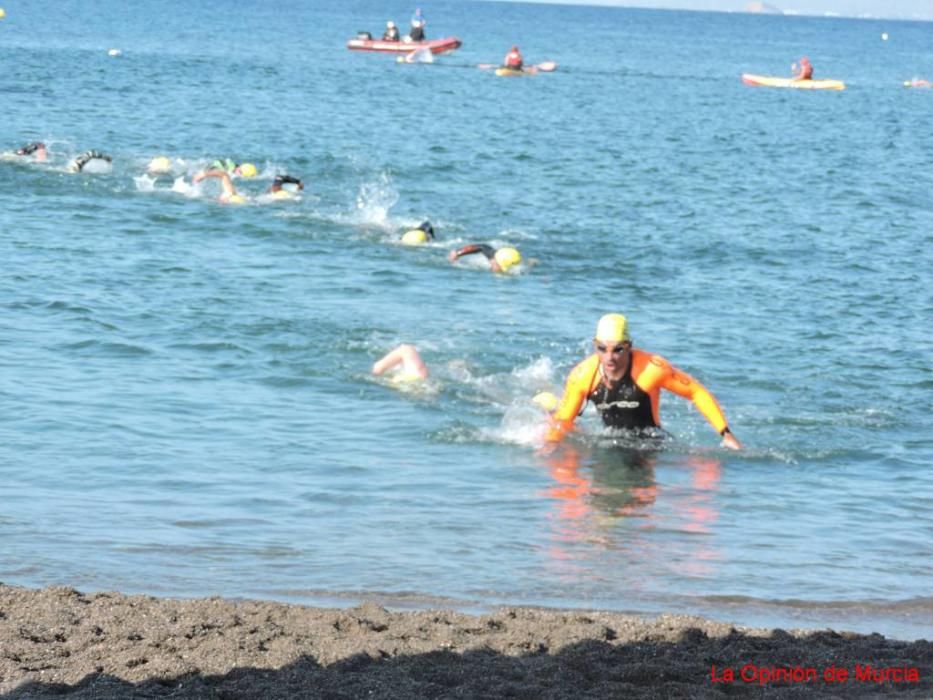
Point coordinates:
pixel 452 256
pixel 730 441
pixel 198 177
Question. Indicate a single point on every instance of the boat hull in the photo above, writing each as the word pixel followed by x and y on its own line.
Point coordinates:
pixel 435 46
pixel 769 81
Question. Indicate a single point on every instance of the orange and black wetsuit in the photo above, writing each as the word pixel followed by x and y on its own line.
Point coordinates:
pixel 632 403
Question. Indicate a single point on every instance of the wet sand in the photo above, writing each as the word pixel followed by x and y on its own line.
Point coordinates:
pixel 58 642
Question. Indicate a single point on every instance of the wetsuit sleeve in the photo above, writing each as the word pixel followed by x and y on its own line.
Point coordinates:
pixel 575 392
pixel 486 250
pixel 684 385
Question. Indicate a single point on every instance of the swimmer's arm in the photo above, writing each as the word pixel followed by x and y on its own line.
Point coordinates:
pixel 225 182
pixel 561 421
pixel 483 248
pixel 684 385
pixel 406 355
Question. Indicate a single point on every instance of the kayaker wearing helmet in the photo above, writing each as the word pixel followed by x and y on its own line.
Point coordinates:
pixel 513 59
pixel 499 260
pixel 391 32
pixel 624 383
pixel 805 72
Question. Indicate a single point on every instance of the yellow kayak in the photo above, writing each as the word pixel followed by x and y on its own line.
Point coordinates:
pixel 511 72
pixel 768 81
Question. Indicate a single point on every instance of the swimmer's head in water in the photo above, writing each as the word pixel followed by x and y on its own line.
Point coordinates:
pixel 612 328
pixel 159 165
pixel 288 183
pixel 507 257
pixel 31 148
pixel 235 199
pixel 247 170
pixel 427 228
pixel 414 237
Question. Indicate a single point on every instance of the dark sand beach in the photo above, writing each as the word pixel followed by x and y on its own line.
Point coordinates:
pixel 58 642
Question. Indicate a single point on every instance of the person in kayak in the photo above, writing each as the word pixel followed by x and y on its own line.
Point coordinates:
pixel 513 59
pixel 37 150
pixel 285 186
pixel 499 260
pixel 228 194
pixel 417 27
pixel 624 383
pixel 391 32
pixel 420 235
pixel 805 70
pixel 406 357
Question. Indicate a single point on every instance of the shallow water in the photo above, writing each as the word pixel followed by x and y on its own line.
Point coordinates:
pixel 185 384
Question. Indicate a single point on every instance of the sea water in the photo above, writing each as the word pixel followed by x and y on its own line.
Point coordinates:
pixel 185 390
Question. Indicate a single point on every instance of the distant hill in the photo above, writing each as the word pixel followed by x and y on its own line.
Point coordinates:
pixel 763 8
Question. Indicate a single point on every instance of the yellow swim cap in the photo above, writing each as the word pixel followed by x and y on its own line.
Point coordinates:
pixel 236 199
pixel 507 257
pixel 545 400
pixel 404 377
pixel 415 237
pixel 612 328
pixel 282 194
pixel 2 13
pixel 159 165
pixel 248 170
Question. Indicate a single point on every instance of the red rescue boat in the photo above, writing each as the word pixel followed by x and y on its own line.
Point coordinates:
pixel 448 43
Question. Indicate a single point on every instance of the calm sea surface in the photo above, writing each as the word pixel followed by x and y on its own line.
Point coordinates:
pixel 184 389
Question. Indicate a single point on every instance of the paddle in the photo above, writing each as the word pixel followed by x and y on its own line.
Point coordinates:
pixel 543 67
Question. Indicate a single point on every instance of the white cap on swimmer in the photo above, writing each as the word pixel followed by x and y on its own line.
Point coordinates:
pixel 612 328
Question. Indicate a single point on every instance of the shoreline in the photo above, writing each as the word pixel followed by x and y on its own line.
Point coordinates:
pixel 59 642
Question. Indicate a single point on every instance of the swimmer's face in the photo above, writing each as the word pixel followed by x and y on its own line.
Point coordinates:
pixel 613 356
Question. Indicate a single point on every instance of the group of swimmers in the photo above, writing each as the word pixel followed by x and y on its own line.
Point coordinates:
pixel 283 187
pixel 622 382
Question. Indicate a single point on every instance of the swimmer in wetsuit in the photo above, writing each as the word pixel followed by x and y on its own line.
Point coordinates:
pixel 499 260
pixel 78 164
pixel 37 149
pixel 233 168
pixel 624 383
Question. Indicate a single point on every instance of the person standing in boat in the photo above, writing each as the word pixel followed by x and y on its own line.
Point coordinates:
pixel 417 26
pixel 391 32
pixel 514 60
pixel 805 70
